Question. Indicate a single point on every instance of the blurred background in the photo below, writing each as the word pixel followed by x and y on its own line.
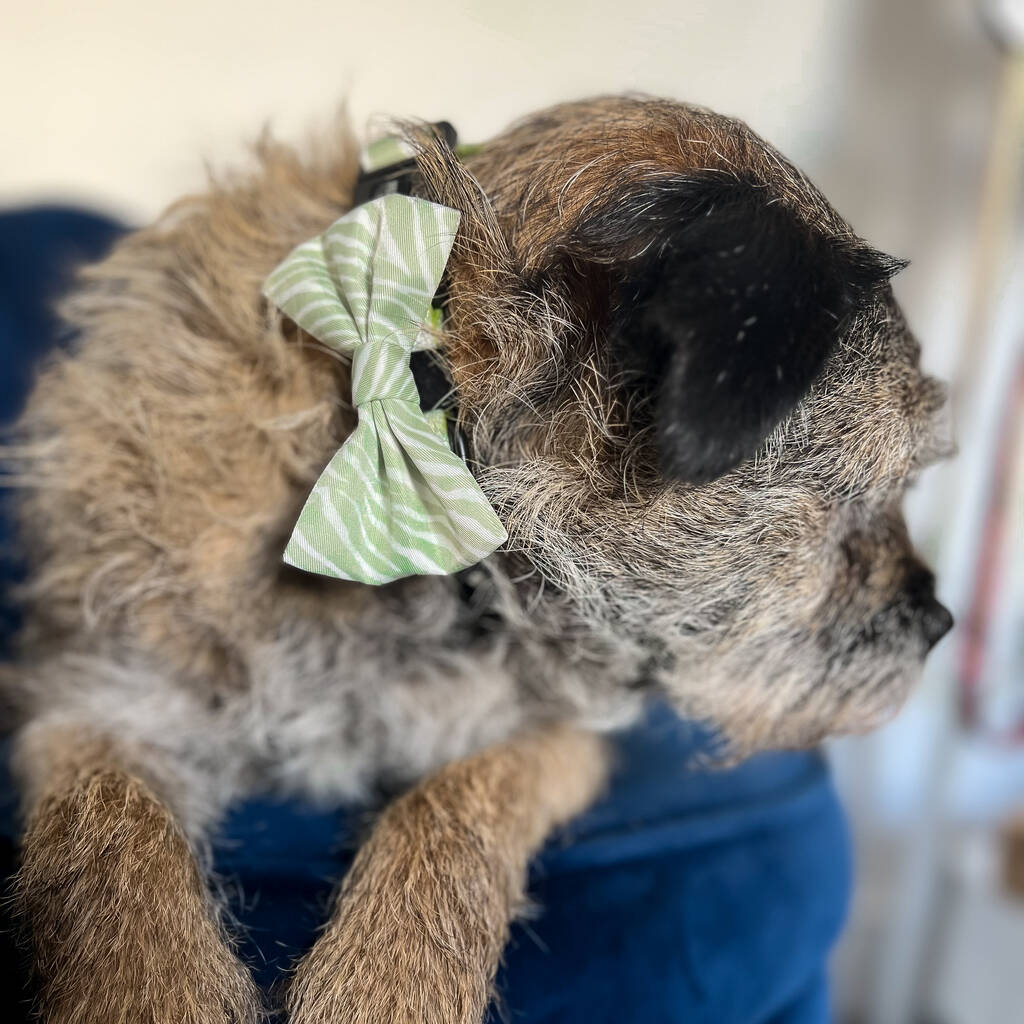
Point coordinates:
pixel 908 113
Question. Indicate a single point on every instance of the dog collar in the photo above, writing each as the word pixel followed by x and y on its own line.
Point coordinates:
pixel 395 500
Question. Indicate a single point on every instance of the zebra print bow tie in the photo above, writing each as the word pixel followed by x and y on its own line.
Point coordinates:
pixel 395 500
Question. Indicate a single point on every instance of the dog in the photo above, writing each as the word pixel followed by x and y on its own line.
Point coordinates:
pixel 685 387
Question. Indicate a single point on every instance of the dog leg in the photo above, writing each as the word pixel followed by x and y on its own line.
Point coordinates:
pixel 122 928
pixel 423 915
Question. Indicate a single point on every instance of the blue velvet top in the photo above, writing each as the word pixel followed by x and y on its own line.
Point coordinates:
pixel 685 895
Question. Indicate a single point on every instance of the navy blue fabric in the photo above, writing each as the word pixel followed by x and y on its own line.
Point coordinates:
pixel 39 248
pixel 685 894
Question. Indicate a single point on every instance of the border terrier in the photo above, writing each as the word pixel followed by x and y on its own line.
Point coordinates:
pixel 686 389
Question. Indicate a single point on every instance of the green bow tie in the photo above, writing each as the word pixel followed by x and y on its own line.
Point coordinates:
pixel 395 500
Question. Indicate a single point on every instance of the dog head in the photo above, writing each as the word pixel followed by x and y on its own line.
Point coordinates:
pixel 696 407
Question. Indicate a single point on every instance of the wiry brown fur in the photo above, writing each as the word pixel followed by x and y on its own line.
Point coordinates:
pixel 702 570
pixel 121 925
pixel 172 469
pixel 478 822
pixel 162 462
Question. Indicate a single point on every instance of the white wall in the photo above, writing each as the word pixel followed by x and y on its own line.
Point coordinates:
pixel 117 101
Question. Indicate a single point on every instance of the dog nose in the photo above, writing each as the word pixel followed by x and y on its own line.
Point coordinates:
pixel 936 622
pixel 934 618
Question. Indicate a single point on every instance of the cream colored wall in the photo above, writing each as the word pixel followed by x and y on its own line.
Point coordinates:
pixel 117 102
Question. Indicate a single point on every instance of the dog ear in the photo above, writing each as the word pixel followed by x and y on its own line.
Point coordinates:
pixel 724 306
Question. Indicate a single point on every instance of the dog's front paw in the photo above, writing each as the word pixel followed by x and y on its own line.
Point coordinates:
pixel 418 931
pixel 424 912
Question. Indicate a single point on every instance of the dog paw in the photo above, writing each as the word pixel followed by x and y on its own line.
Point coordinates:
pixel 417 934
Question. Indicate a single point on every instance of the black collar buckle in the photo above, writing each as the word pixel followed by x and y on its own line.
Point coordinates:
pixel 398 177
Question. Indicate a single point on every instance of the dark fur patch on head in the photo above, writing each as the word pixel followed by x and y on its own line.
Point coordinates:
pixel 725 305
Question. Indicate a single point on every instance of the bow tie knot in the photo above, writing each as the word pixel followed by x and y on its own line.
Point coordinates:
pixel 380 370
